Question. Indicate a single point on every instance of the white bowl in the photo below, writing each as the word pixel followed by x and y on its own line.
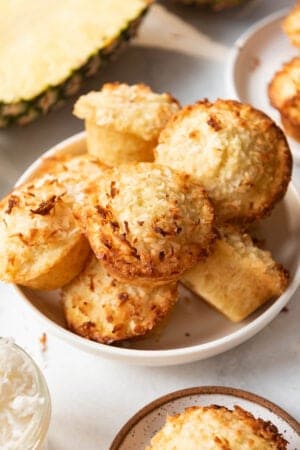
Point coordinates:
pixel 194 331
pixel 252 63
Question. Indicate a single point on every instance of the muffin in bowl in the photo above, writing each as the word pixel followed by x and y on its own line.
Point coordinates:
pixel 235 151
pixel 103 309
pixel 123 122
pixel 41 245
pixel 237 277
pixel 148 223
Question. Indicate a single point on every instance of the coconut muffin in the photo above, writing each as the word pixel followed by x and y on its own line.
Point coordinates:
pixel 40 244
pixel 284 94
pixel 237 152
pixel 75 174
pixel 291 25
pixel 290 117
pixel 123 122
pixel 285 84
pixel 147 222
pixel 103 309
pixel 238 277
pixel 216 427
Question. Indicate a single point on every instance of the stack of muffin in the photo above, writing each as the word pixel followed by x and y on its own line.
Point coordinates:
pixel 284 88
pixel 163 195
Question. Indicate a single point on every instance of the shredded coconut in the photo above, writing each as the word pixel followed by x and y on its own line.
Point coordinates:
pixel 20 402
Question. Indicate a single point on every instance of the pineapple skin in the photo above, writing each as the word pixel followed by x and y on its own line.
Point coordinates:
pixel 215 5
pixel 24 111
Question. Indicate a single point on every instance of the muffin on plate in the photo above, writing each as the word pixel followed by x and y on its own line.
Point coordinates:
pixel 216 427
pixel 40 244
pixel 290 117
pixel 284 94
pixel 237 277
pixel 123 122
pixel 291 25
pixel 236 152
pixel 148 223
pixel 101 308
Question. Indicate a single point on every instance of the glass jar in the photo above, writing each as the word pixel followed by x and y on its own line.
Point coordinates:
pixel 25 406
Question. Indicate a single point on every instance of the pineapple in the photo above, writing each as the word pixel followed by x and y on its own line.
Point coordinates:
pixel 216 5
pixel 48 48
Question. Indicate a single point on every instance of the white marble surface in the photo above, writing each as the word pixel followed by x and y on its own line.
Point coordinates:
pixel 92 398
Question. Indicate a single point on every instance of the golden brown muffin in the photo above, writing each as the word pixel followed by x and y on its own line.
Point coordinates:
pixel 237 152
pixel 40 243
pixel 284 94
pixel 100 308
pixel 148 223
pixel 238 277
pixel 75 174
pixel 216 427
pixel 290 116
pixel 123 122
pixel 291 25
pixel 285 84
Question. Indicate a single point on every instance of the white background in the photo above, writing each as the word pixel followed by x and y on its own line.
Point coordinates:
pixel 185 54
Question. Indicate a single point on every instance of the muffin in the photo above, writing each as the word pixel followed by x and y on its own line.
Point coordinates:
pixel 238 153
pixel 103 309
pixel 216 427
pixel 238 277
pixel 147 222
pixel 75 173
pixel 290 117
pixel 123 122
pixel 291 25
pixel 40 244
pixel 284 94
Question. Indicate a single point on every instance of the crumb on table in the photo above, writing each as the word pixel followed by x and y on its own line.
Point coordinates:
pixel 43 342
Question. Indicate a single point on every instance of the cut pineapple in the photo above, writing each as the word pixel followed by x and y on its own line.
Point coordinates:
pixel 216 5
pixel 48 47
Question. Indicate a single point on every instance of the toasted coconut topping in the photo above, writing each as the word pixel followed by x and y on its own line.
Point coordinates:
pixel 217 427
pixel 108 310
pixel 238 153
pixel 159 224
pixel 132 109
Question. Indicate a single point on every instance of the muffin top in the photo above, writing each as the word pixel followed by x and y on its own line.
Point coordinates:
pixel 238 153
pixel 291 25
pixel 291 111
pixel 75 174
pixel 217 427
pixel 148 221
pixel 285 84
pixel 37 228
pixel 132 109
pixel 103 309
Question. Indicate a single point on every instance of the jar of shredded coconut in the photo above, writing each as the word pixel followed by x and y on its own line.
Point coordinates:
pixel 25 406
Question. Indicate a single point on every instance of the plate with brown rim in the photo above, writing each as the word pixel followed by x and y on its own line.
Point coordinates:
pixel 138 431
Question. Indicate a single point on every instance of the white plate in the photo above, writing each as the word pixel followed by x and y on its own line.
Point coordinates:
pixel 254 59
pixel 194 331
pixel 138 431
